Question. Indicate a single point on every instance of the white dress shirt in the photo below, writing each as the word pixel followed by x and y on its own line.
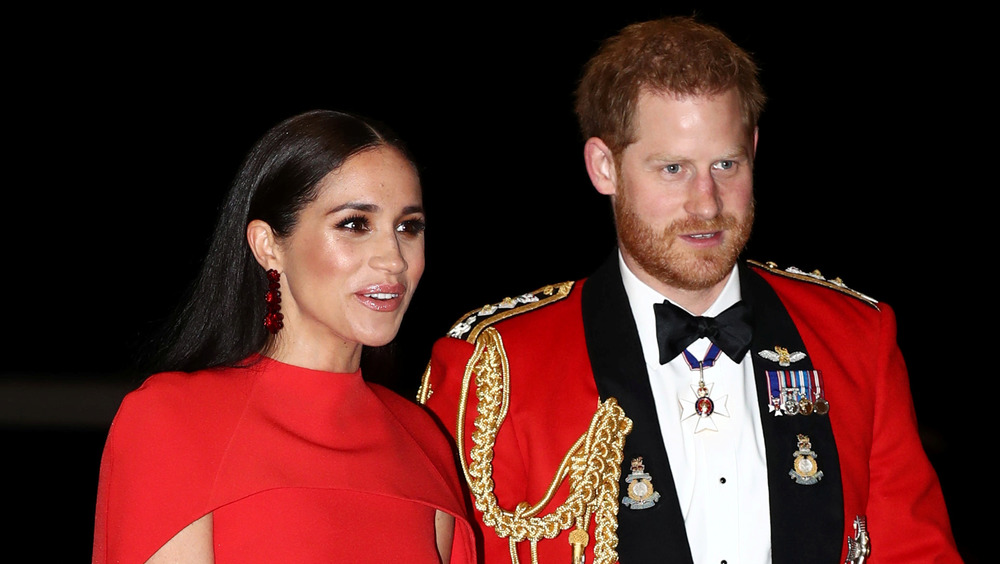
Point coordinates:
pixel 720 471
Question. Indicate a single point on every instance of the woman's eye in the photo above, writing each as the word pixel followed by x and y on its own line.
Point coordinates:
pixel 412 226
pixel 354 224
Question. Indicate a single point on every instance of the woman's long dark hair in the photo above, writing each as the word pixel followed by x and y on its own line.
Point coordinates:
pixel 221 321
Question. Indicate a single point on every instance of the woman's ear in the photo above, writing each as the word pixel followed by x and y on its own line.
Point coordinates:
pixel 264 245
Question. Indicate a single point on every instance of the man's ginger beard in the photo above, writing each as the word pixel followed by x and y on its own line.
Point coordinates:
pixel 687 269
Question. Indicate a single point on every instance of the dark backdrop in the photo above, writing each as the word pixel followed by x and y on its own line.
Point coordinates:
pixel 125 130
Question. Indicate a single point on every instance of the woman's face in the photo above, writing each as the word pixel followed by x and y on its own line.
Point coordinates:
pixel 351 264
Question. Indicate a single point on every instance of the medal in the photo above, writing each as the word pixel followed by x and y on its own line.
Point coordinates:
pixel 796 392
pixel 805 470
pixel 820 404
pixel 703 406
pixel 773 392
pixel 791 406
pixel 793 392
pixel 805 406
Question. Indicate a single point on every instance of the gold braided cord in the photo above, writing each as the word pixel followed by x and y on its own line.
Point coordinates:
pixel 593 464
pixel 424 391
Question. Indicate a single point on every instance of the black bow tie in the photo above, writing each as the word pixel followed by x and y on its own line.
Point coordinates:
pixel 676 329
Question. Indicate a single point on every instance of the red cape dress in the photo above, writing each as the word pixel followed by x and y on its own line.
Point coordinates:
pixel 296 465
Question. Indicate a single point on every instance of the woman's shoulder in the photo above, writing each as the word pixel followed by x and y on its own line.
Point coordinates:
pixel 163 450
pixel 431 437
pixel 173 408
pixel 201 391
pixel 418 421
pixel 408 411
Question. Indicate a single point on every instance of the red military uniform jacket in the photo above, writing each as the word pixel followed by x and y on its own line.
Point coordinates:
pixel 568 347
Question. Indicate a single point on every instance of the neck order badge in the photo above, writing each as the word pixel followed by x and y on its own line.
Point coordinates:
pixel 703 406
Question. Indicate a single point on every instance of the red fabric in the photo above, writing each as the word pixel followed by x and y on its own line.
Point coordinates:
pixel 886 475
pixel 553 397
pixel 297 466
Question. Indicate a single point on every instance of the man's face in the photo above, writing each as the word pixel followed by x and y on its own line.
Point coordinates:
pixel 684 191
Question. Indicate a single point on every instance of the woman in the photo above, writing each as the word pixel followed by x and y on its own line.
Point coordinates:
pixel 260 442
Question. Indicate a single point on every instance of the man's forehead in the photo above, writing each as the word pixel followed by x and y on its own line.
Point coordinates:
pixel 652 92
pixel 652 103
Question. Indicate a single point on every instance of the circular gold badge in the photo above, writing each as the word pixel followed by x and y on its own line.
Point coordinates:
pixel 805 466
pixel 640 489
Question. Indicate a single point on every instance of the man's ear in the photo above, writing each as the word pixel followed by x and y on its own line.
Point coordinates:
pixel 264 245
pixel 600 166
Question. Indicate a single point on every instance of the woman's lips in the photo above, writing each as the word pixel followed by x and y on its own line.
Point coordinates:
pixel 382 297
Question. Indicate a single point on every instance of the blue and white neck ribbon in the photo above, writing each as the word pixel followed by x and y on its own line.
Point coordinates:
pixel 709 361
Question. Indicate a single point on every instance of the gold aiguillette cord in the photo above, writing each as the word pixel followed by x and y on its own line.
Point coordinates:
pixel 593 465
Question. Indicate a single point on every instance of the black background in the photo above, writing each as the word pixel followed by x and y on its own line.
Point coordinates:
pixel 125 129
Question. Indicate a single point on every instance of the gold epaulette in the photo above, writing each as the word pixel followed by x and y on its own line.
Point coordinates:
pixel 472 323
pixel 814 277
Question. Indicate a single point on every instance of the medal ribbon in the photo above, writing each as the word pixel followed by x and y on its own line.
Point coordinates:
pixel 774 389
pixel 710 357
pixel 801 382
pixel 805 383
pixel 817 384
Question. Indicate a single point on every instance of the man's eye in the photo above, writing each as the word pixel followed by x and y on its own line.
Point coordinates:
pixel 725 165
pixel 672 168
pixel 412 226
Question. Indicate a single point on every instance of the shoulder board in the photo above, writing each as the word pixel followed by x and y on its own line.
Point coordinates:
pixel 814 277
pixel 472 323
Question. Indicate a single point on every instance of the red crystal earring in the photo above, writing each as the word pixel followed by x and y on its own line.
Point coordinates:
pixel 273 298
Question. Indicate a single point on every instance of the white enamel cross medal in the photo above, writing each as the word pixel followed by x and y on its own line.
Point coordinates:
pixel 703 406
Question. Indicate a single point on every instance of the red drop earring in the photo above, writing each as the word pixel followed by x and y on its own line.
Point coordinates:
pixel 273 298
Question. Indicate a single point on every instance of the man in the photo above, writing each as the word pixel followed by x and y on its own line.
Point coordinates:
pixel 675 405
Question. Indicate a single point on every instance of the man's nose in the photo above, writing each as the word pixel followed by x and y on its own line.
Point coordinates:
pixel 703 198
